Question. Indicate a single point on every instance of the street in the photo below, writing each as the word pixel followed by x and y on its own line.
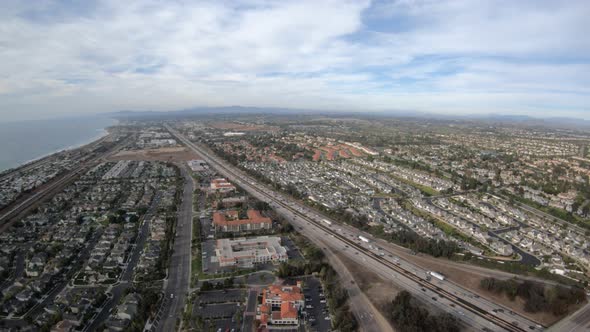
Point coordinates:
pixel 177 284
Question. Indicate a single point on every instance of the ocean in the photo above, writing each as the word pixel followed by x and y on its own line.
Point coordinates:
pixel 23 141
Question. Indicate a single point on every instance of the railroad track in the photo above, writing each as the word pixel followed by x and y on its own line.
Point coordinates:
pixel 410 275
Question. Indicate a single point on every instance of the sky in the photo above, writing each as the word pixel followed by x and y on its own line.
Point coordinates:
pixel 60 58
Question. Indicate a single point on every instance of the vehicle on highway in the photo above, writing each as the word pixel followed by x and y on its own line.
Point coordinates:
pixel 364 239
pixel 437 275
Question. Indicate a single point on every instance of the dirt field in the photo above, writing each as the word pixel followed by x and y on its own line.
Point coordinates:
pixel 469 277
pixel 378 290
pixel 240 127
pixel 163 154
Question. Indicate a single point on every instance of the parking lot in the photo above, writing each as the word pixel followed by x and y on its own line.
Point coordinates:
pixel 229 295
pixel 292 250
pixel 316 306
pixel 221 309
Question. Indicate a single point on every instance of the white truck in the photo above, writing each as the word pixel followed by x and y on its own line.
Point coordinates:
pixel 437 275
pixel 327 222
pixel 364 239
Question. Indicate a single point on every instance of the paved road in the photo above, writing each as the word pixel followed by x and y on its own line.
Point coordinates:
pixel 526 258
pixel 542 214
pixel 178 282
pixel 578 321
pixel 370 319
pixel 250 311
pixel 20 208
pixel 61 283
pixel 125 282
pixel 302 222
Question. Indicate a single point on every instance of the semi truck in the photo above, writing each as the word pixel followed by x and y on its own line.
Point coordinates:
pixel 327 222
pixel 364 239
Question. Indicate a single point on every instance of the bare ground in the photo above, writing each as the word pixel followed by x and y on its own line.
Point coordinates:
pixel 378 290
pixel 469 277
pixel 174 154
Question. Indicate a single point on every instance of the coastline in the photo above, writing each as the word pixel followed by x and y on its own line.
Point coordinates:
pixel 104 132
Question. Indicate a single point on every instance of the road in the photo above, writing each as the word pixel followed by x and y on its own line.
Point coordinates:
pixel 178 282
pixel 526 258
pixel 60 284
pixel 541 214
pixel 125 281
pixel 476 312
pixel 578 321
pixel 48 190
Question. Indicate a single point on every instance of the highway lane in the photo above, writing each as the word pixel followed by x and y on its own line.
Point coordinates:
pixel 578 321
pixel 178 282
pixel 462 298
pixel 456 290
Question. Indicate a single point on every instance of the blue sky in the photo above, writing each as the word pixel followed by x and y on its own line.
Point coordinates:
pixel 459 57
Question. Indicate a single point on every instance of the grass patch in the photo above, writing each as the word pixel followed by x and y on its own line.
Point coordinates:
pixel 428 191
pixel 445 227
pixel 555 212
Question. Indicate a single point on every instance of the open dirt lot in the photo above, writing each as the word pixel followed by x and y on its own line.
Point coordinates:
pixel 163 154
pixel 469 277
pixel 377 289
pixel 240 127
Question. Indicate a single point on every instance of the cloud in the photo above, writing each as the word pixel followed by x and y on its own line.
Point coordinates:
pixel 64 57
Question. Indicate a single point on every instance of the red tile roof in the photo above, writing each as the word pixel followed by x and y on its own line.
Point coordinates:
pixel 254 217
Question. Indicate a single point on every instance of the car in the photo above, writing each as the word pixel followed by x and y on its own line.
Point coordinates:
pixel 171 295
pixel 434 298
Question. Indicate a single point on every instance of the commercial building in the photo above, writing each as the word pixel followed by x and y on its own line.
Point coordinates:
pixel 247 252
pixel 280 305
pixel 221 185
pixel 229 221
pixel 198 165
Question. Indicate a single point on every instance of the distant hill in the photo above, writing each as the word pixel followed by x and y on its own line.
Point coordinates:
pixel 559 122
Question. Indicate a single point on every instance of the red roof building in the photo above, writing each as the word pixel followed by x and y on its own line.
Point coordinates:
pixel 229 221
pixel 222 185
pixel 280 305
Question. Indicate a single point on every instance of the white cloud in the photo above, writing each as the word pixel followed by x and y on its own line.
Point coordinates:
pixel 461 56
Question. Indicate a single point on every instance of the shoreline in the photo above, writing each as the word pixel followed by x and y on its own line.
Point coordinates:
pixel 101 135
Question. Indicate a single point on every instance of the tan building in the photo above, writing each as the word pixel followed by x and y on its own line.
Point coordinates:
pixel 246 253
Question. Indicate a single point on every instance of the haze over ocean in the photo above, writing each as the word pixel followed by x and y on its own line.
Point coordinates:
pixel 24 141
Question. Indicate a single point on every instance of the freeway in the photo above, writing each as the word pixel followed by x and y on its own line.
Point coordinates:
pixel 578 321
pixel 475 311
pixel 178 282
